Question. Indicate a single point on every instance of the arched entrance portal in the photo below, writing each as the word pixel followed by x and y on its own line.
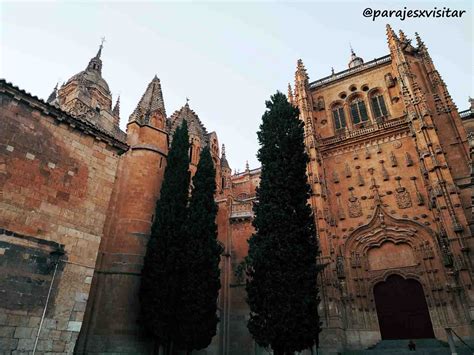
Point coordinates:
pixel 402 310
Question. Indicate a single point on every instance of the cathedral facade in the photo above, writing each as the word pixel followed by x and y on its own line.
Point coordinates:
pixel 391 179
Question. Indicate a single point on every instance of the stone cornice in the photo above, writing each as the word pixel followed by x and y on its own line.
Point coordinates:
pixel 150 147
pixel 316 85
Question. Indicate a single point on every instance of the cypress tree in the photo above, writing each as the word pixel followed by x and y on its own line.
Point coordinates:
pixel 281 266
pixel 201 282
pixel 164 262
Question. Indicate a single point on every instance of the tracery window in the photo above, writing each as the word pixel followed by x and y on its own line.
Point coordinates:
pixel 339 117
pixel 378 106
pixel 358 111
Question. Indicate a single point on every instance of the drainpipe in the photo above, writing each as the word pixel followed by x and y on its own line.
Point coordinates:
pixel 55 255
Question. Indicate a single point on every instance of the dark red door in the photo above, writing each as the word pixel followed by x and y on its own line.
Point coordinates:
pixel 402 310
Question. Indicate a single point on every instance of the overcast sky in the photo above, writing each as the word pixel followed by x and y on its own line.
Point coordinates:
pixel 227 57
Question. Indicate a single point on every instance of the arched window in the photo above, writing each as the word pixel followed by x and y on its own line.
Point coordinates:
pixel 378 106
pixel 339 117
pixel 358 111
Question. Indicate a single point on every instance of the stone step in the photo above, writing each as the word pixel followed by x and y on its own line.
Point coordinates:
pixel 400 346
pixel 403 343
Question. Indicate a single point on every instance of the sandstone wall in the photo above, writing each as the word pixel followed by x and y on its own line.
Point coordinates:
pixel 56 179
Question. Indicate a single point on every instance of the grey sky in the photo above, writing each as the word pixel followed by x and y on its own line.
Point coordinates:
pixel 228 58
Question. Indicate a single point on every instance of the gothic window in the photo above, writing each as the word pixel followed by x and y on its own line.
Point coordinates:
pixel 358 111
pixel 191 153
pixel 339 117
pixel 378 106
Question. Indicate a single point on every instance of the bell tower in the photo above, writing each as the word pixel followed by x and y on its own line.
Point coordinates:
pixel 111 315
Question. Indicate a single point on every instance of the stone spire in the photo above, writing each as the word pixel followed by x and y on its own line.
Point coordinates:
pixel 151 101
pixel 422 48
pixel 291 99
pixel 391 36
pixel 301 70
pixel 95 64
pixel 53 96
pixel 302 96
pixel 224 162
pixel 247 167
pixel 116 110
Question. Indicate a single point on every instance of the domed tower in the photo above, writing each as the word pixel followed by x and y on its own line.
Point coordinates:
pixel 355 61
pixel 86 95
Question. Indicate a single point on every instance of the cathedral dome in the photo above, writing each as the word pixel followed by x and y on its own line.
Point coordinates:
pixel 90 78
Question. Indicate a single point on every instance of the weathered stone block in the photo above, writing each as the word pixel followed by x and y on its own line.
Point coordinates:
pixel 15 320
pixel 3 318
pixel 8 344
pixel 59 345
pixel 74 326
pixel 79 307
pixel 23 332
pixel 26 344
pixel 6 332
pixel 34 321
pixel 50 323
pixel 45 345
pixel 65 336
pixel 55 334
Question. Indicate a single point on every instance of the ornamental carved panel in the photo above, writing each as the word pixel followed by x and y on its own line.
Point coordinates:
pixel 403 198
pixel 355 208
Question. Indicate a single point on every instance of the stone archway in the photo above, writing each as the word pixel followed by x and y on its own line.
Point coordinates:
pixel 401 309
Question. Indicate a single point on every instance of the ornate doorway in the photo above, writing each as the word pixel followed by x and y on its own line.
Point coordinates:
pixel 402 310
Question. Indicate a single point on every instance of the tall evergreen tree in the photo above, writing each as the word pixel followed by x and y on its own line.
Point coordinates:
pixel 281 266
pixel 164 262
pixel 201 282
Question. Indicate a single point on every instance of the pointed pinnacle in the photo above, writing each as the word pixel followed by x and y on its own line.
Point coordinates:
pixel 419 42
pixel 99 52
pixel 116 110
pixel 391 33
pixel 402 36
pixel 300 65
pixel 151 101
pixel 53 95
pixel 300 69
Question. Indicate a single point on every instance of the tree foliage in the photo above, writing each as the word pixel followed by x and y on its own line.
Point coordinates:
pixel 164 263
pixel 281 266
pixel 201 281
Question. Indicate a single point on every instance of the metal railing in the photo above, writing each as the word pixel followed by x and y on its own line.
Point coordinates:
pixel 452 345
